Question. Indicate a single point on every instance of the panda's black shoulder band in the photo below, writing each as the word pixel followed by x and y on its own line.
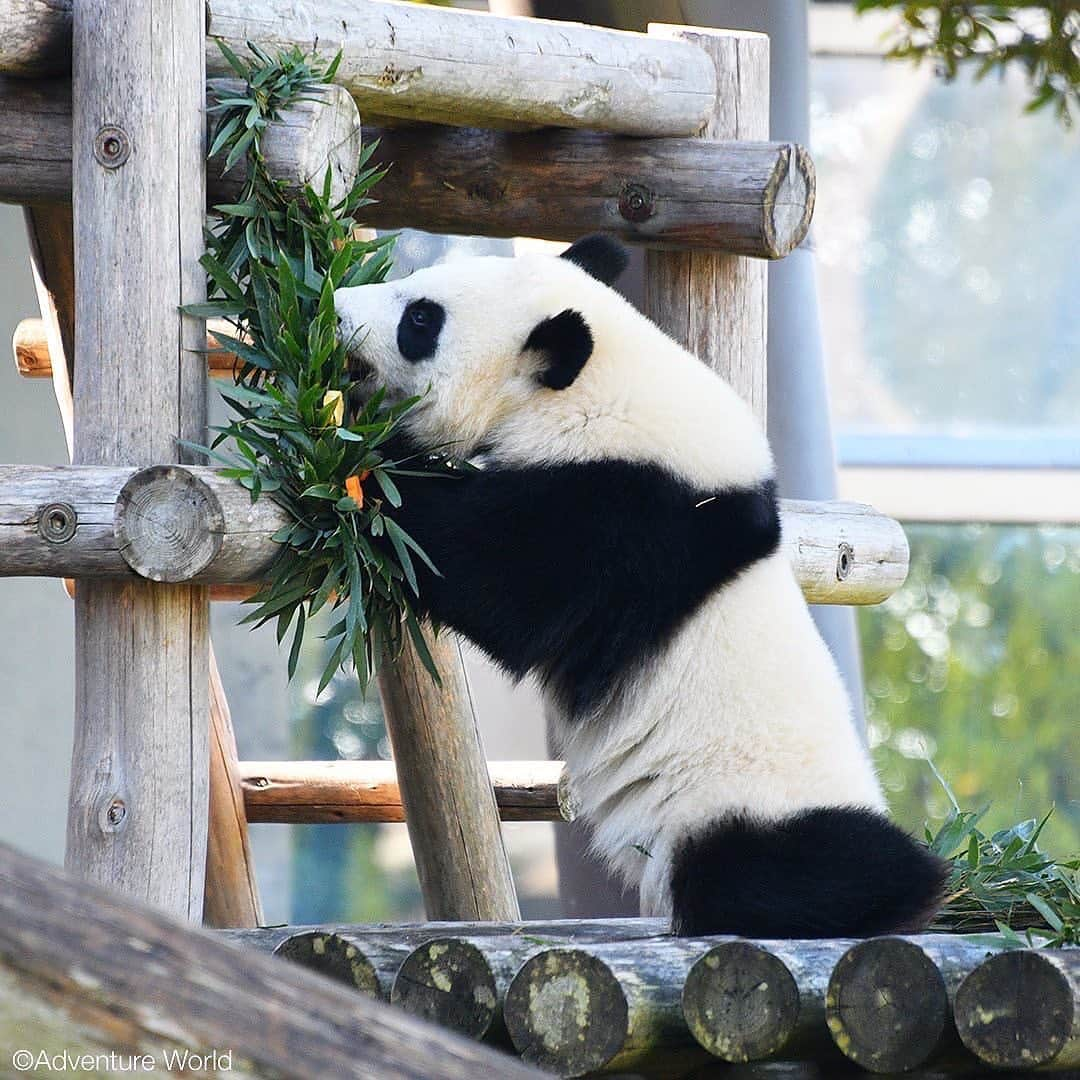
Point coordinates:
pixel 579 572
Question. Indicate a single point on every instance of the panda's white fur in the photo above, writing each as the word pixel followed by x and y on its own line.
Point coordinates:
pixel 738 714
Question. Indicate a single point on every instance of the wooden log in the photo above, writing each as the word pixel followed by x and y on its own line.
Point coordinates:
pixel 842 553
pixel 749 198
pixel 447 66
pixel 714 304
pixel 434 64
pixel 50 230
pixel 614 1007
pixel 749 1001
pixel 887 1007
pixel 231 896
pixel 1021 1010
pixel 368 965
pixel 30 344
pixel 320 792
pixel 83 970
pixel 137 817
pixel 546 931
pixel 313 135
pixel 460 982
pixel 445 788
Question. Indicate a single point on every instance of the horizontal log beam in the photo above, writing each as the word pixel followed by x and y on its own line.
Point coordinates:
pixel 35 143
pixel 32 360
pixel 85 971
pixel 65 521
pixel 321 792
pixel 748 198
pixel 432 64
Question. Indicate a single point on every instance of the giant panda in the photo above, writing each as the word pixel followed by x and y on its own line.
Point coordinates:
pixel 618 540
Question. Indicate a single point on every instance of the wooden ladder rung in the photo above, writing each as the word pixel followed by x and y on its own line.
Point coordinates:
pixel 325 792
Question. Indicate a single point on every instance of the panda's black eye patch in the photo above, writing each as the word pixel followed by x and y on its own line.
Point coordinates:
pixel 418 330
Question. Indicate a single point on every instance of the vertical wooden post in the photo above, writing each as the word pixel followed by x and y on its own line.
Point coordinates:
pixel 446 789
pixel 137 817
pixel 715 305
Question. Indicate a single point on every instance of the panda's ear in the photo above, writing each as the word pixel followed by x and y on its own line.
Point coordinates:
pixel 564 342
pixel 599 256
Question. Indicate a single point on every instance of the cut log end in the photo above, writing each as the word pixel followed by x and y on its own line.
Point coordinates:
pixel 1016 1011
pixel 334 957
pixel 740 1002
pixel 449 982
pixel 168 524
pixel 886 1005
pixel 566 1012
pixel 788 204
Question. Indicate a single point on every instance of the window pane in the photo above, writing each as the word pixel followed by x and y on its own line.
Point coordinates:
pixel 947 226
pixel 975 663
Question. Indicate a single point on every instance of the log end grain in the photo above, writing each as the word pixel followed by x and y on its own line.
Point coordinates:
pixel 886 1005
pixel 788 203
pixel 331 955
pixel 450 983
pixel 1015 1011
pixel 740 1002
pixel 168 523
pixel 566 1012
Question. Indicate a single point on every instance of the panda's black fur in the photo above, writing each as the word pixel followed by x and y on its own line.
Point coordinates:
pixel 579 572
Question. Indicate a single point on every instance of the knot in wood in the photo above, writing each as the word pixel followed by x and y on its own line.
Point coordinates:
pixel 112 147
pixel 168 523
pixel 845 560
pixel 57 522
pixel 636 203
pixel 115 813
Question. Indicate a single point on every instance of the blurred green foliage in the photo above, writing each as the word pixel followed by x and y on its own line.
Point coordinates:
pixel 1042 39
pixel 975 663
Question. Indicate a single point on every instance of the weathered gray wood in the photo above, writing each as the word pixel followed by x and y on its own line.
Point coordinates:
pixel 886 1005
pixel 713 304
pixel 138 810
pixel 31 341
pixel 461 982
pixel 231 896
pixel 842 553
pixel 368 964
pixel 455 67
pixel 613 1006
pixel 319 792
pixel 1021 1010
pixel 549 931
pixel 35 36
pixel 748 198
pixel 86 971
pixel 753 198
pixel 445 788
pixel 749 1001
pixel 35 143
pixel 319 133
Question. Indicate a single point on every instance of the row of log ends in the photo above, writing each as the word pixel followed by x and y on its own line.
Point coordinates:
pixel 577 997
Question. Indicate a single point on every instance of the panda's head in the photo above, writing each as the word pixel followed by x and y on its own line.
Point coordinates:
pixel 537 359
pixel 482 338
